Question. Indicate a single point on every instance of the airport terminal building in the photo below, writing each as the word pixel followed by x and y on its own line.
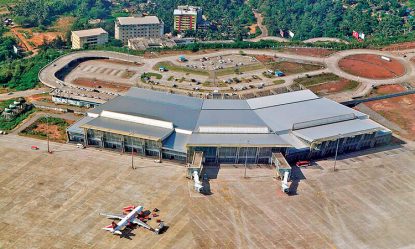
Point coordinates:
pixel 299 124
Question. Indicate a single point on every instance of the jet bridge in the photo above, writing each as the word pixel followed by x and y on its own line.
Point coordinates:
pixel 282 169
pixel 194 170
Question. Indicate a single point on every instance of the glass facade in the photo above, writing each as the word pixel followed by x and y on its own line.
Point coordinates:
pixel 228 155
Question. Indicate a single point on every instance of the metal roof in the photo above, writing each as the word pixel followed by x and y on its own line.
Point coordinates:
pixel 183 115
pixel 177 142
pixel 281 99
pixel 341 129
pixel 292 117
pixel 76 127
pixel 238 140
pixel 128 128
pixel 232 118
pixel 282 117
pixel 225 104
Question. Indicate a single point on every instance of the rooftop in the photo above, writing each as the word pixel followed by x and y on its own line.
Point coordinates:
pixel 89 32
pixel 138 20
pixel 286 120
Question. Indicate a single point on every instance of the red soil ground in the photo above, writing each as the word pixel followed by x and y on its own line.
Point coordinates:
pixel 314 52
pixel 400 110
pixel 399 46
pixel 388 89
pixel 264 58
pixel 371 66
pixel 101 84
pixel 333 87
pixel 36 39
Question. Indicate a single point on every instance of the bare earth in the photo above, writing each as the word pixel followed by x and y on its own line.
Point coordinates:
pixel 371 66
pixel 53 201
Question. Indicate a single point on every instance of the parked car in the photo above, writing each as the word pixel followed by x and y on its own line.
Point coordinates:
pixel 34 147
pixel 303 163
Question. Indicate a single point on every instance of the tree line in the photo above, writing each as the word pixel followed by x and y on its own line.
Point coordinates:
pixel 336 18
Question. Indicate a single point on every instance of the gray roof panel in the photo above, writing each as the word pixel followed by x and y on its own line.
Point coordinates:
pixel 281 99
pixel 282 117
pixel 75 128
pixel 331 131
pixel 127 128
pixel 225 104
pixel 176 141
pixel 182 116
pixel 229 118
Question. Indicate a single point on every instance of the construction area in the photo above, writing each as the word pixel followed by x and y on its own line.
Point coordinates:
pixel 54 201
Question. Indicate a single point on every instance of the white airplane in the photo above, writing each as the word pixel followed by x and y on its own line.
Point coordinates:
pixel 130 218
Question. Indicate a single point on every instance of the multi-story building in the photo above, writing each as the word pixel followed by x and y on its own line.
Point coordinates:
pixel 134 27
pixel 187 18
pixel 80 38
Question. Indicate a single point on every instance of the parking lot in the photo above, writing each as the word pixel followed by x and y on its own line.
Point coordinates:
pixel 53 201
pixel 221 62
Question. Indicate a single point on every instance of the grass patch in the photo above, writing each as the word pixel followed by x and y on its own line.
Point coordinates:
pixel 316 79
pixel 352 85
pixel 278 82
pixel 57 129
pixel 289 68
pixel 175 68
pixel 150 75
pixel 170 78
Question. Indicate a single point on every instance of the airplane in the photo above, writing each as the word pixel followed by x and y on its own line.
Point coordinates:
pixel 130 216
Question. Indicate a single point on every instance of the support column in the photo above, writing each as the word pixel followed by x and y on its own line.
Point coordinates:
pixel 237 155
pixel 256 155
pixel 85 137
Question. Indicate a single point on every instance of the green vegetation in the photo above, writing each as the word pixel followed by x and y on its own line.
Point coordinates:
pixel 316 79
pixel 328 18
pixel 145 76
pixel 7 125
pixel 173 67
pixel 61 125
pixel 22 74
pixel 231 17
pixel 278 82
pixel 289 68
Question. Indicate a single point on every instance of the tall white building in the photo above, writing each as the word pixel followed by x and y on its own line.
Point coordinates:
pixel 134 27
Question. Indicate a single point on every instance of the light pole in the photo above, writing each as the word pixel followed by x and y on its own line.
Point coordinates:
pixel 246 159
pixel 335 156
pixel 132 151
pixel 47 132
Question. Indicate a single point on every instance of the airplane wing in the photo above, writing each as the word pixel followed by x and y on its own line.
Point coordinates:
pixel 113 216
pixel 140 223
pixel 156 230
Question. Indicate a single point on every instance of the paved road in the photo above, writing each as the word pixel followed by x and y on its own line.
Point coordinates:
pixel 325 39
pixel 47 75
pixel 23 93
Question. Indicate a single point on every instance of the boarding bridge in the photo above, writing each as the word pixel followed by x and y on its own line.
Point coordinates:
pixel 194 170
pixel 282 169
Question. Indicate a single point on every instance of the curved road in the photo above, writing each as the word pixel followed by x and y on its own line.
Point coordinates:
pixel 47 75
